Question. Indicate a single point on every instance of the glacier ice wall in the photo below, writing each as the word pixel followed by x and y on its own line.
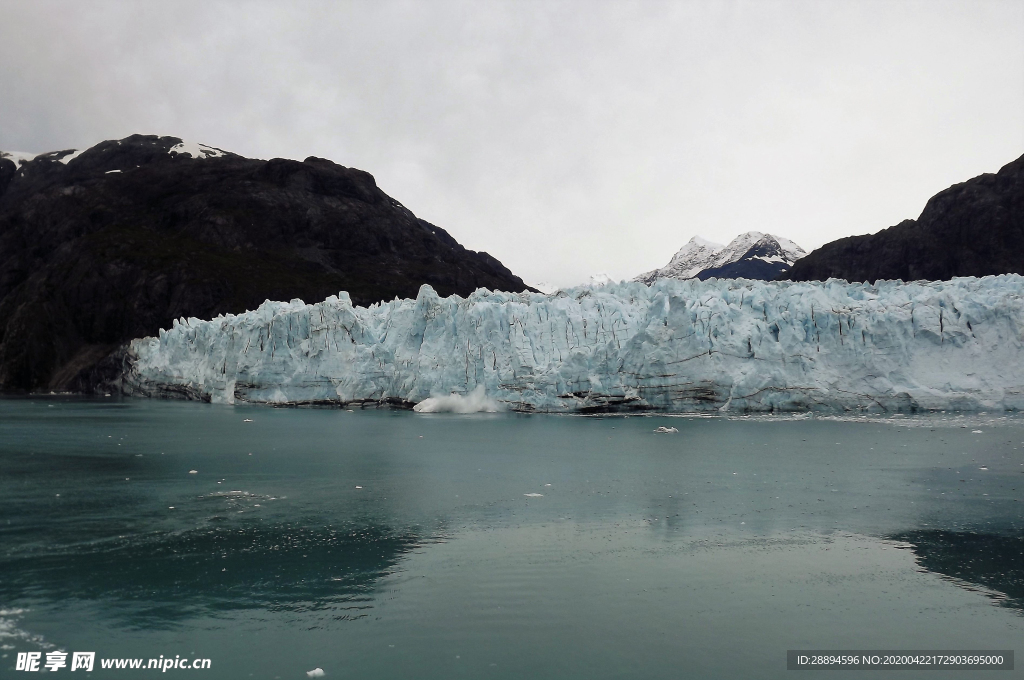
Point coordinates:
pixel 676 346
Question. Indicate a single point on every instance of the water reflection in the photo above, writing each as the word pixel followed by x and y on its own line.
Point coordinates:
pixel 158 579
pixel 992 561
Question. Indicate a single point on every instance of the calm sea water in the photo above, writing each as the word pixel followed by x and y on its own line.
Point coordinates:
pixel 386 544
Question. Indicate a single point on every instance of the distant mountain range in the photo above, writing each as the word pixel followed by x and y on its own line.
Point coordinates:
pixel 114 242
pixel 752 255
pixel 975 228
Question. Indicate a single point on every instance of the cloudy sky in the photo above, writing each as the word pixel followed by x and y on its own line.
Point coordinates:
pixel 565 138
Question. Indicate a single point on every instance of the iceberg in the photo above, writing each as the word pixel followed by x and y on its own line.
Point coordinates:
pixel 676 346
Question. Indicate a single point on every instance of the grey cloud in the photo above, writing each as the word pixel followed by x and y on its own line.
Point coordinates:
pixel 565 138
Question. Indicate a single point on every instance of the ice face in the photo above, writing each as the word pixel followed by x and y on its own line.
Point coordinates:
pixel 676 346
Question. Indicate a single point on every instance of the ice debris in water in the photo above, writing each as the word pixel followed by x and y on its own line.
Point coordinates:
pixel 195 472
pixel 315 673
pixel 474 402
pixel 975 431
pixel 714 345
pixel 534 495
pixel 666 430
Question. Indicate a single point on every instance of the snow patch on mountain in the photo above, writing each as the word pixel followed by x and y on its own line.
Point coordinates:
pixel 679 346
pixel 65 156
pixel 196 150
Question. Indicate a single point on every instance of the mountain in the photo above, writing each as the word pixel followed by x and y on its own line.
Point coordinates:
pixel 752 255
pixel 975 228
pixel 117 241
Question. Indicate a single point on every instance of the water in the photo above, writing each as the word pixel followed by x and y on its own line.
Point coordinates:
pixel 706 553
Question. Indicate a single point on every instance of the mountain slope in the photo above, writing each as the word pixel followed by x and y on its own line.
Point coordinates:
pixel 115 242
pixel 752 255
pixel 975 228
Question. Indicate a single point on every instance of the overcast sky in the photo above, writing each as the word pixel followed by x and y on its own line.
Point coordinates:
pixel 564 138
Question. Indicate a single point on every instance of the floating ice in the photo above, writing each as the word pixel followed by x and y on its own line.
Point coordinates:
pixel 666 430
pixel 315 673
pixel 717 345
pixel 195 472
pixel 534 495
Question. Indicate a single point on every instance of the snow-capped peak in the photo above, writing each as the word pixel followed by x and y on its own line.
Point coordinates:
pixel 700 255
pixel 692 258
pixel 600 279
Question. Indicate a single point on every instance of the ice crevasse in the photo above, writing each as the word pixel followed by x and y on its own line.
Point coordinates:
pixel 675 346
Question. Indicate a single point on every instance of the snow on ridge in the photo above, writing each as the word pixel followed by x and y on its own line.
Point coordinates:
pixel 18 157
pixel 64 156
pixel 196 150
pixel 792 251
pixel 75 153
pixel 736 248
pixel 730 344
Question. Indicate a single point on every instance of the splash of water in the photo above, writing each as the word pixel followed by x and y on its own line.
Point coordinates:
pixel 474 402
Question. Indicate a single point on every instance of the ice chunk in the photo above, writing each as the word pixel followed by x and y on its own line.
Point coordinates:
pixel 315 673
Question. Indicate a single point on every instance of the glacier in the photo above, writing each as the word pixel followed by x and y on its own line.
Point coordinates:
pixel 722 345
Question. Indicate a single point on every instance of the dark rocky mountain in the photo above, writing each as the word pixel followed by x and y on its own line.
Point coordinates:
pixel 975 228
pixel 113 243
